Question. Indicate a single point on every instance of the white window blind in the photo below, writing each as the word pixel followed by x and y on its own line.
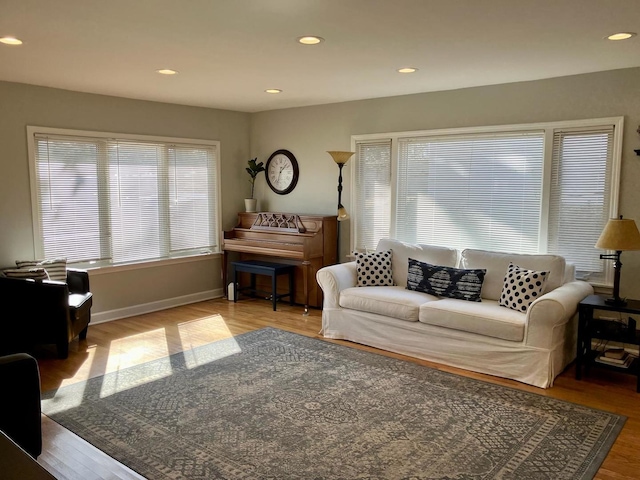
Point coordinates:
pixel 481 191
pixel 540 188
pixel 113 201
pixel 372 197
pixel 580 196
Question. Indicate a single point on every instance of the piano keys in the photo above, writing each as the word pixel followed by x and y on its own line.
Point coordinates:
pixel 307 241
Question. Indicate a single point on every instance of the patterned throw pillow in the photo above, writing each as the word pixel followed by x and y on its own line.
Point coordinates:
pixel 445 281
pixel 374 269
pixel 521 287
pixel 56 267
pixel 37 274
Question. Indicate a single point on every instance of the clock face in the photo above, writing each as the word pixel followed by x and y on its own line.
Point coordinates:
pixel 282 172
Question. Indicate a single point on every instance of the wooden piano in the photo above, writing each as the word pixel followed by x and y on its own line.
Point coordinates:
pixel 307 241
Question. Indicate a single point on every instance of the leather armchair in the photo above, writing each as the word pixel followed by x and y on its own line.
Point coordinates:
pixel 44 312
pixel 20 417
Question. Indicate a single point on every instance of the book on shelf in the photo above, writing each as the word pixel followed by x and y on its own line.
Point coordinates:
pixel 617 353
pixel 622 362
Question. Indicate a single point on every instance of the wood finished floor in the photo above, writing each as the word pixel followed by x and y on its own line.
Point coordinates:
pixel 120 344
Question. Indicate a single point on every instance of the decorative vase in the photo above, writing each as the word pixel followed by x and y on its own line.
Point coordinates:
pixel 250 204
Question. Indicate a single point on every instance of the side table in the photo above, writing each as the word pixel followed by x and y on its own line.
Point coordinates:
pixel 590 327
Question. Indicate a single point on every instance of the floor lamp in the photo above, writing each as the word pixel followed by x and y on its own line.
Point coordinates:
pixel 619 234
pixel 341 158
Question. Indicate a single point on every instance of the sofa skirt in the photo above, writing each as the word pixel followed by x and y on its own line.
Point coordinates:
pixel 469 351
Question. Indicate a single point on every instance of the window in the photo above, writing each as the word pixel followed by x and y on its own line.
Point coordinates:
pixel 543 188
pixel 104 200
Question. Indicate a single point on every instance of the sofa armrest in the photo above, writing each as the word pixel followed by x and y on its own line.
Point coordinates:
pixel 20 415
pixel 553 310
pixel 335 278
pixel 78 281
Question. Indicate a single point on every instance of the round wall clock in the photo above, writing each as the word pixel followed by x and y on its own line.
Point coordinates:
pixel 282 172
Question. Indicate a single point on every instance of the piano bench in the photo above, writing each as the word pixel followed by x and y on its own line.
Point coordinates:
pixel 258 267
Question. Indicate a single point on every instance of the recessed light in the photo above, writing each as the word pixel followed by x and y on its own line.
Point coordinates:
pixel 166 71
pixel 310 40
pixel 273 90
pixel 11 41
pixel 621 36
pixel 407 70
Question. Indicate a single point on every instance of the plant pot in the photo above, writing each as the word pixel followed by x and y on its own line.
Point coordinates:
pixel 250 204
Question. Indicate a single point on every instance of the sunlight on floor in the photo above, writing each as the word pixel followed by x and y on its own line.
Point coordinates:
pixel 150 352
pixel 202 331
pixel 134 350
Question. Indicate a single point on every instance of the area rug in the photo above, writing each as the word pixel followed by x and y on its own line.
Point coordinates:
pixel 271 404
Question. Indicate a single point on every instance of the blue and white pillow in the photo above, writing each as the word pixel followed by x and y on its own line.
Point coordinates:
pixel 448 282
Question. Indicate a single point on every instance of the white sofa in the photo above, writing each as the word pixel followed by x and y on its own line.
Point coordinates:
pixel 532 347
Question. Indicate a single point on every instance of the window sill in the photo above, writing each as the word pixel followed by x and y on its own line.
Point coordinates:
pixel 102 270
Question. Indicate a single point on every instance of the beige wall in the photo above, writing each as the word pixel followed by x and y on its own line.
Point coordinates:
pixel 308 132
pixel 22 105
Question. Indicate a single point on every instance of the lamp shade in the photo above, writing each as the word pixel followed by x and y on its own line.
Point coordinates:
pixel 619 234
pixel 341 157
pixel 342 214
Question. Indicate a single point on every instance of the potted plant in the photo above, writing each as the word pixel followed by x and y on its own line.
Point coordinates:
pixel 253 170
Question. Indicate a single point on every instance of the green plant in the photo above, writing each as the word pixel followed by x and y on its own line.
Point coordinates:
pixel 253 170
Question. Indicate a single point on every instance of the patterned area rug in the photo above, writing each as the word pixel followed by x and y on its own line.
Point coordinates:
pixel 275 405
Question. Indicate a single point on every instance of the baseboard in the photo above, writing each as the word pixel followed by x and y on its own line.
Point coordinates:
pixel 117 314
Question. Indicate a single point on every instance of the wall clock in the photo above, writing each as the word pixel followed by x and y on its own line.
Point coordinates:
pixel 282 172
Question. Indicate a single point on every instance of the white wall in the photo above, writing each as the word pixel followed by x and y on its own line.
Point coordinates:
pixel 22 105
pixel 309 131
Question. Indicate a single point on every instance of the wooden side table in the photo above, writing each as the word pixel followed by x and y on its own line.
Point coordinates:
pixel 590 327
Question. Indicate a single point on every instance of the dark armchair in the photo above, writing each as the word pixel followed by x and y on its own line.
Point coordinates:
pixel 44 312
pixel 20 417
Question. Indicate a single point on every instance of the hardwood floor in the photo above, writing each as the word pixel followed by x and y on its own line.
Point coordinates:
pixel 120 344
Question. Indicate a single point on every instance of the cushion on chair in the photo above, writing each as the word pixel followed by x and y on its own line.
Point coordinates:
pixel 80 304
pixel 56 267
pixel 32 273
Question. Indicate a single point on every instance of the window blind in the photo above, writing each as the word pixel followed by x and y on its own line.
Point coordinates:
pixel 476 191
pixel 580 196
pixel 372 195
pixel 117 201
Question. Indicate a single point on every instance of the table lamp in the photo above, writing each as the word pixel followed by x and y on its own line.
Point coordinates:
pixel 619 235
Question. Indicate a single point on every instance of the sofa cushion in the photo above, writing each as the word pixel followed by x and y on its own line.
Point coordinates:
pixel 424 253
pixel 374 269
pixel 484 318
pixel 496 264
pixel 396 302
pixel 445 282
pixel 521 287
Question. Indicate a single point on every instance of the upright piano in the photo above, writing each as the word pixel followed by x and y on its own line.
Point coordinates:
pixel 307 241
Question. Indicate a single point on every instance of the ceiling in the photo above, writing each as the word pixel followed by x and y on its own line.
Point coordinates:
pixel 227 52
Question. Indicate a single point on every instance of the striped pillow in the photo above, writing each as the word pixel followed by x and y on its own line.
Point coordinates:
pixel 56 267
pixel 37 274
